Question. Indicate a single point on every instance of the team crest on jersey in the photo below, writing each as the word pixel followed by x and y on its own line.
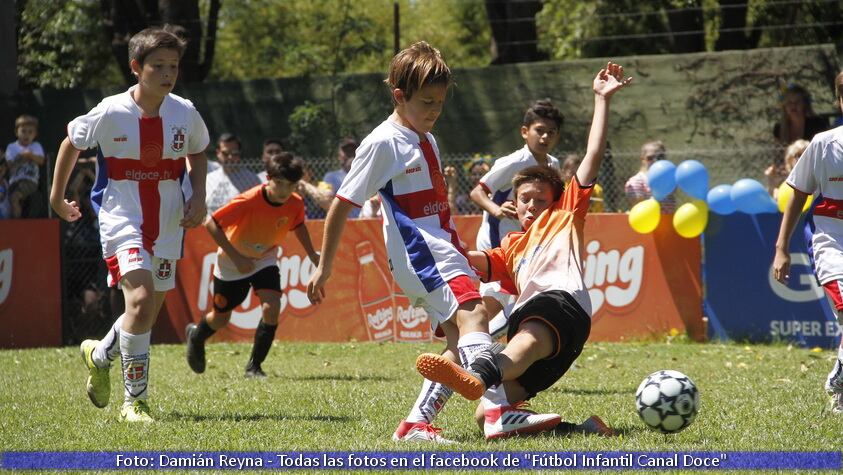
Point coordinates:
pixel 165 269
pixel 178 138
pixel 281 222
pixel 135 370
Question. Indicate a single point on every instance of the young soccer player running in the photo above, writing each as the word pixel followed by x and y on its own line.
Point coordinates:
pixel 817 172
pixel 143 136
pixel 249 230
pixel 400 161
pixel 552 316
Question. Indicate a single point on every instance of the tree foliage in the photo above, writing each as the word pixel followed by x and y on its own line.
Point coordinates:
pixel 60 45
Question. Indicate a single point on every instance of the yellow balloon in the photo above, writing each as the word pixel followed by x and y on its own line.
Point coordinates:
pixel 690 219
pixel 644 217
pixel 784 194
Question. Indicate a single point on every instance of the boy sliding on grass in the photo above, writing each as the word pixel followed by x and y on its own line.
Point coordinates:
pixel 399 160
pixel 249 230
pixel 551 319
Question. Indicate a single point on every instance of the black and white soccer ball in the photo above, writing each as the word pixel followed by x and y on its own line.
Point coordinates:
pixel 667 401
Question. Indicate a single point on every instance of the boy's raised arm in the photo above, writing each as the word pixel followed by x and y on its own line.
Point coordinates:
pixel 606 83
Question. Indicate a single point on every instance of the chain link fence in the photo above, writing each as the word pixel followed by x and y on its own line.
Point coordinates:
pixel 90 307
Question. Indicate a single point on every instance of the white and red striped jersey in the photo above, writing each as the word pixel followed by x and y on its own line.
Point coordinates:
pixel 497 182
pixel 138 193
pixel 421 239
pixel 820 172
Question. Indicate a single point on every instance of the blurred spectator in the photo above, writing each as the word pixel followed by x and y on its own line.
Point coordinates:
pixel 637 189
pixel 24 157
pixel 5 205
pixel 568 169
pixel 345 154
pixel 461 202
pixel 777 172
pixel 798 119
pixel 232 178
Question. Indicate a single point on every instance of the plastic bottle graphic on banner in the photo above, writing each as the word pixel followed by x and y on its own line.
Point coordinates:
pixel 412 324
pixel 375 295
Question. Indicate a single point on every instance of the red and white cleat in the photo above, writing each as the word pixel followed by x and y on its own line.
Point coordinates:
pixel 419 432
pixel 506 421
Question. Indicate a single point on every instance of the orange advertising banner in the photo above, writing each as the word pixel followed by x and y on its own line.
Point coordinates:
pixel 30 283
pixel 640 285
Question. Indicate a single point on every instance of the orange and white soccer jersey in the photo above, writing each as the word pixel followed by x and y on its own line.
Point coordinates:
pixel 548 255
pixel 255 227
pixel 141 182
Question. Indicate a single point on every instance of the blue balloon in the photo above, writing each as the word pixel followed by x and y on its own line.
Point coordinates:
pixel 662 179
pixel 771 206
pixel 692 177
pixel 719 200
pixel 750 196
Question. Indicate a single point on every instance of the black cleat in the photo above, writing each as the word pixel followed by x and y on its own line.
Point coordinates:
pixel 254 372
pixel 195 350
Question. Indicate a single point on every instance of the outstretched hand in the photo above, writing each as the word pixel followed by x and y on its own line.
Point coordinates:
pixel 610 80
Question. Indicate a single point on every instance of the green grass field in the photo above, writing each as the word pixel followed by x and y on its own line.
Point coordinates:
pixel 351 396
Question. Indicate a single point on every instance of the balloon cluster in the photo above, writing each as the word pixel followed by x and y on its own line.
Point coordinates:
pixel 746 195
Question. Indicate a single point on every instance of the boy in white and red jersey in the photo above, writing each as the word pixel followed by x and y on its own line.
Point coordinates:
pixel 820 172
pixel 143 200
pixel 551 319
pixel 540 130
pixel 248 230
pixel 400 161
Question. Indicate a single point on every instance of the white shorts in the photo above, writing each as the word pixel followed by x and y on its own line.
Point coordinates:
pixel 442 303
pixel 163 270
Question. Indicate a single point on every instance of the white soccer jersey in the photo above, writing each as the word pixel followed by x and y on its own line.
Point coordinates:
pixel 820 172
pixel 498 183
pixel 421 239
pixel 138 193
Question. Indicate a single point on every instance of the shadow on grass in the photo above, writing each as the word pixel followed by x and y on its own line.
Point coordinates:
pixel 592 392
pixel 339 377
pixel 253 417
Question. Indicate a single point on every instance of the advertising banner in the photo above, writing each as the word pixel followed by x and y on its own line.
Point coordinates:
pixel 742 300
pixel 30 283
pixel 640 285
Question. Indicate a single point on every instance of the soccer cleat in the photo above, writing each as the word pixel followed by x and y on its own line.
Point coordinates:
pixel 255 372
pixel 419 432
pixel 98 384
pixel 439 369
pixel 506 421
pixel 195 350
pixel 837 403
pixel 135 411
pixel 595 425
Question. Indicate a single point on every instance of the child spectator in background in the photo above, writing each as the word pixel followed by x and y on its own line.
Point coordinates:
pixel 637 188
pixel 24 156
pixel 461 203
pixel 781 167
pixel 5 205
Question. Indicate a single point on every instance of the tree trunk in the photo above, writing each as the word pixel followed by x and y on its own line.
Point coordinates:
pixel 9 32
pixel 687 27
pixel 732 24
pixel 514 34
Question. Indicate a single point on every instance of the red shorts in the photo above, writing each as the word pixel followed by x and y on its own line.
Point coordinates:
pixel 834 290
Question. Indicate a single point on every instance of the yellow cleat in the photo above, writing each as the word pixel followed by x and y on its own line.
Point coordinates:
pixel 98 384
pixel 135 411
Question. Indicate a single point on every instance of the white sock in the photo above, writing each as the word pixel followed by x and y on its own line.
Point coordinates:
pixel 494 397
pixel 471 344
pixel 109 346
pixel 134 351
pixel 430 402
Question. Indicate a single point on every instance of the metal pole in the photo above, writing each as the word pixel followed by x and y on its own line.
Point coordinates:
pixel 396 27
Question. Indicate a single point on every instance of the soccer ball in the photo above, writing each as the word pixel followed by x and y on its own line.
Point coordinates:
pixel 667 401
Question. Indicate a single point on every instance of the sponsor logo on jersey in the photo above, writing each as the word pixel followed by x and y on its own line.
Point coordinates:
pixel 178 138
pixel 121 138
pixel 415 169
